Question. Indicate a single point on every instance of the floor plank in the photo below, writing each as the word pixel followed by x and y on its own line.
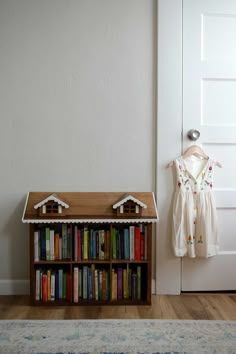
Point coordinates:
pixel 184 306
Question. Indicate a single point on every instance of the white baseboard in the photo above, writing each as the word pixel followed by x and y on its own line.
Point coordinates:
pixel 153 287
pixel 14 287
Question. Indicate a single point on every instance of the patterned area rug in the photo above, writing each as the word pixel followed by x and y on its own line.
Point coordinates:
pixel 117 336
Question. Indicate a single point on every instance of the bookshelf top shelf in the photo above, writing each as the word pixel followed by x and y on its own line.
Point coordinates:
pixel 90 207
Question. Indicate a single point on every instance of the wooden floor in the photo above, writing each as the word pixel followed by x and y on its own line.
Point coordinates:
pixel 184 306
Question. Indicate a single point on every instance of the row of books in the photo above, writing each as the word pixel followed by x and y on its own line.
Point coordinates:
pixel 92 283
pixel 91 244
pixel 89 283
pixel 51 245
pixel 126 283
pixel 130 243
pixel 52 285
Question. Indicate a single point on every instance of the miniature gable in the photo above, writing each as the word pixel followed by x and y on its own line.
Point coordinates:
pixel 51 206
pixel 129 206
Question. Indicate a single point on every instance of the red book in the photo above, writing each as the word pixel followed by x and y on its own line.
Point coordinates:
pixel 104 285
pixel 137 242
pixel 44 287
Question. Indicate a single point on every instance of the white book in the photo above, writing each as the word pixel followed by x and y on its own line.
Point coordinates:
pixel 131 240
pixel 52 255
pixel 76 284
pixel 53 281
pixel 36 246
pixel 37 285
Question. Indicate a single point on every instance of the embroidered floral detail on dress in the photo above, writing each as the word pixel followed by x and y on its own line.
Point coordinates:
pixel 200 239
pixel 179 184
pixel 189 240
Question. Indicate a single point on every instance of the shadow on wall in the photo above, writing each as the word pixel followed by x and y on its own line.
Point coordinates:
pixel 14 239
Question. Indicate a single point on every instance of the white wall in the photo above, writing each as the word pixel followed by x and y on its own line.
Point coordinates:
pixel 77 105
pixel 168 267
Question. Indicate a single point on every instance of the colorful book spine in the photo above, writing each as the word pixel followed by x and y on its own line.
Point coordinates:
pixel 57 238
pixel 60 283
pixel 131 241
pixel 126 244
pixel 37 285
pixel 85 282
pixel 96 281
pixel 114 243
pixel 52 286
pixel 79 245
pixel 76 284
pixel 69 287
pixel 52 236
pixel 44 287
pixel 137 244
pixel 36 246
pixel 119 283
pixel 75 243
pixel 47 232
pixel 134 286
pixel 85 255
pixel 139 282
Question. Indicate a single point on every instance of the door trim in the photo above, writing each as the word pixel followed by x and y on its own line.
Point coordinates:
pixel 169 138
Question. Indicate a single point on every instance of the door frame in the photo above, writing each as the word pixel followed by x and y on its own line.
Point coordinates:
pixel 169 136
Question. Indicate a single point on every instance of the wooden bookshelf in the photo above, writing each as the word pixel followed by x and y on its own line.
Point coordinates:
pixel 90 248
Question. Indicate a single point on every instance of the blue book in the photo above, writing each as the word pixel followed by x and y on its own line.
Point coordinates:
pixel 90 289
pixel 85 282
pixel 60 271
pixel 126 242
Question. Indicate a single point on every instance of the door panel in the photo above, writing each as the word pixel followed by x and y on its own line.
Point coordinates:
pixel 209 105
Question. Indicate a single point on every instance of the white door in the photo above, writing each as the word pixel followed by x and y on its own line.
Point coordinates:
pixel 209 105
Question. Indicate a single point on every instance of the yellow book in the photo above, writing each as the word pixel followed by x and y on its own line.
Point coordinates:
pixel 85 243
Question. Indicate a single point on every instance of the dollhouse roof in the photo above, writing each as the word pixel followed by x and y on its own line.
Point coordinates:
pixel 129 197
pixel 85 207
pixel 53 197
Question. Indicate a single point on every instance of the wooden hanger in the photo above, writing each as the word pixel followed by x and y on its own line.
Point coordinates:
pixel 194 150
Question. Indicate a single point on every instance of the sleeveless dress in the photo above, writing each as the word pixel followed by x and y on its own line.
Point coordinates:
pixel 194 231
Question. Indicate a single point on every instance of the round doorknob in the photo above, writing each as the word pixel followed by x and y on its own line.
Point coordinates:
pixel 193 134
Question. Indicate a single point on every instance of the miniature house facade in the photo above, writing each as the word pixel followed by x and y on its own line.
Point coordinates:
pixel 51 206
pixel 129 207
pixel 90 207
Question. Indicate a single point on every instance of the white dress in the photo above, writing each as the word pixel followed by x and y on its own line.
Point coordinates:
pixel 194 232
